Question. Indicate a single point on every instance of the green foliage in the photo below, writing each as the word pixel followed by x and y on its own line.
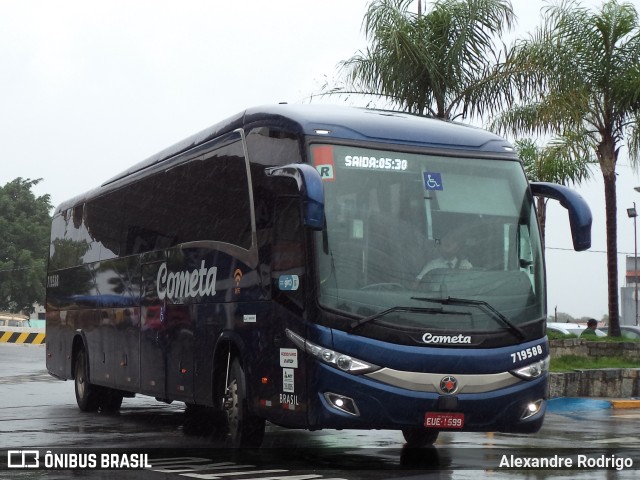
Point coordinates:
pixel 561 317
pixel 556 162
pixel 578 77
pixel 24 245
pixel 441 63
pixel 574 362
pixel 553 335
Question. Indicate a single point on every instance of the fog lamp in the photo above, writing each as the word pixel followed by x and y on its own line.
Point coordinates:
pixel 342 403
pixel 532 409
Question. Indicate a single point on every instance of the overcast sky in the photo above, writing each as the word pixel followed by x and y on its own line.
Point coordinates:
pixel 91 87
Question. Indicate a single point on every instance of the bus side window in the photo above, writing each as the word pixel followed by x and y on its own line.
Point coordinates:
pixel 288 252
pixel 287 256
pixel 103 222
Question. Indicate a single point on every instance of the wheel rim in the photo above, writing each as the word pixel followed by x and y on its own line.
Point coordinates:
pixel 233 410
pixel 80 380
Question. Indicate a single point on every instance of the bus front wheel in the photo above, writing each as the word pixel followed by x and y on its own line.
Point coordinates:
pixel 419 437
pixel 246 430
pixel 87 395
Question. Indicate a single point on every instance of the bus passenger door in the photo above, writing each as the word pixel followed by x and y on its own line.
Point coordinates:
pixel 288 284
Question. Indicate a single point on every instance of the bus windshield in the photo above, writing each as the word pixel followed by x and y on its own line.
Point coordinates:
pixel 415 240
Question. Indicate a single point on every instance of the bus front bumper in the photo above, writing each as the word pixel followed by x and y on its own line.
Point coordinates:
pixel 358 402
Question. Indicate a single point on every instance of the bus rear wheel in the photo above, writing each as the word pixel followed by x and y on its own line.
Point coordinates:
pixel 245 429
pixel 87 395
pixel 419 437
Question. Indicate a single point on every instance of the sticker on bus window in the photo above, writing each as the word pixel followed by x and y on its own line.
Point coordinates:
pixel 288 282
pixel 432 181
pixel 289 358
pixel 288 380
pixel 323 161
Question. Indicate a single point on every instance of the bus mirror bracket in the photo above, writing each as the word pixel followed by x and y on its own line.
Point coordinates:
pixel 579 212
pixel 310 188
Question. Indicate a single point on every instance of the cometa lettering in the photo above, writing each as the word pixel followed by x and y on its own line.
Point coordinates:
pixel 185 284
pixel 455 339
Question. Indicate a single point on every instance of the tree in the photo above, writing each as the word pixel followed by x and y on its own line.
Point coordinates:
pixel 579 76
pixel 561 317
pixel 556 163
pixel 441 63
pixel 24 246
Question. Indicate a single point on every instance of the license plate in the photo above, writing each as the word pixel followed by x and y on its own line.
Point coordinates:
pixel 443 420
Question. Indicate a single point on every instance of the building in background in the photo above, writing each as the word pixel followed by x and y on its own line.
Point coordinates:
pixel 629 293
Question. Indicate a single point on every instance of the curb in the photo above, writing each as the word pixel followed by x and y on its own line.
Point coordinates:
pixel 22 336
pixel 626 403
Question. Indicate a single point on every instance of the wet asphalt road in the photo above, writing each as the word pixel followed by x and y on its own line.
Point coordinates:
pixel 38 413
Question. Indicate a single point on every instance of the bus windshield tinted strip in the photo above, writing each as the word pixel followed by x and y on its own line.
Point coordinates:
pixel 480 304
pixel 356 323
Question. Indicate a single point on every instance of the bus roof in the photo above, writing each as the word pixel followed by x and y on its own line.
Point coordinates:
pixel 12 316
pixel 345 123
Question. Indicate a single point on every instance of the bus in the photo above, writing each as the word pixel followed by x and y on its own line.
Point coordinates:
pixel 8 319
pixel 285 266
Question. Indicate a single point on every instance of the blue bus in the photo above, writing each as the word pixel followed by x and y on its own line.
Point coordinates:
pixel 315 267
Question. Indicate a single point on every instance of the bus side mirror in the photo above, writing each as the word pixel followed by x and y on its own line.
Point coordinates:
pixel 310 188
pixel 579 212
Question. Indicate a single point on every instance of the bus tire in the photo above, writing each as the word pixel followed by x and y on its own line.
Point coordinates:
pixel 87 395
pixel 419 437
pixel 110 400
pixel 245 429
pixel 204 421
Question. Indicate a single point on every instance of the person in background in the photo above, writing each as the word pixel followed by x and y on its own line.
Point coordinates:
pixel 590 331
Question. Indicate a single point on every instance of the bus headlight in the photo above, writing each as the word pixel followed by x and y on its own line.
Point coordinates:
pixel 533 370
pixel 339 360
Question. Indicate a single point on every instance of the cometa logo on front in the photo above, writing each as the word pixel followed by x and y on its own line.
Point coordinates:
pixel 447 339
pixel 188 283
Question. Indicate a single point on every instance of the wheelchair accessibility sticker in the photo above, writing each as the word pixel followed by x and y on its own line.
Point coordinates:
pixel 432 181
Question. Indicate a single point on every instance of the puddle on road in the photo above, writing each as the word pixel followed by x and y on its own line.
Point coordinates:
pixel 24 378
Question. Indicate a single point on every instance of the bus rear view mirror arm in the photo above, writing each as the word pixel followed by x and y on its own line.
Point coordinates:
pixel 311 190
pixel 579 212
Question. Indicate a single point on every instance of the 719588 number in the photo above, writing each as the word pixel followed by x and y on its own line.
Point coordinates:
pixel 526 353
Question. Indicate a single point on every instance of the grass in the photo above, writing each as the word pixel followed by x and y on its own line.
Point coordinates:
pixel 562 336
pixel 573 362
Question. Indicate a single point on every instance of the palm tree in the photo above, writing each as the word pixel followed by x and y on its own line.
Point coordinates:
pixel 579 76
pixel 556 162
pixel 434 63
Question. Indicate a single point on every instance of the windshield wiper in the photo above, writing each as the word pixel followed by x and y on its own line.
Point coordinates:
pixel 482 305
pixel 356 323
